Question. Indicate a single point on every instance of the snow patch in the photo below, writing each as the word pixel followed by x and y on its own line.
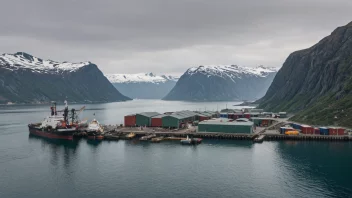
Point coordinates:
pixel 139 78
pixel 232 71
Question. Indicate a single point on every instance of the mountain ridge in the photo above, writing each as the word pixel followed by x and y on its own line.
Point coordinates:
pixel 27 79
pixel 222 82
pixel 315 83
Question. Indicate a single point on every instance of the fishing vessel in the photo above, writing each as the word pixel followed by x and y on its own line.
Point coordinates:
pixel 57 126
pixel 191 140
pixel 95 130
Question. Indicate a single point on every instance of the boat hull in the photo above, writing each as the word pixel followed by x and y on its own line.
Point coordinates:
pixel 64 135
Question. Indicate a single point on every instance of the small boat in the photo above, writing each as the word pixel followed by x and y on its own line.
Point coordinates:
pixel 191 140
pixel 157 139
pixel 186 141
pixel 130 136
pixel 95 130
pixel 147 137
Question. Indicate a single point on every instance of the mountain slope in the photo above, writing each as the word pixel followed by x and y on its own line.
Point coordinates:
pixel 28 79
pixel 316 82
pixel 220 83
pixel 143 86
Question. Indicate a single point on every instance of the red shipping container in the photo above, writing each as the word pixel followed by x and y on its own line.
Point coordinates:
pixel 341 131
pixel 317 131
pixel 307 129
pixel 247 115
pixel 332 131
pixel 130 120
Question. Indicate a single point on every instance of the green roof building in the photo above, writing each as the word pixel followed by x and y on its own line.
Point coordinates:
pixel 145 118
pixel 226 127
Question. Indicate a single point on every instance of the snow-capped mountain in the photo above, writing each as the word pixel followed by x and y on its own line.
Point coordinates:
pixel 232 71
pixel 143 85
pixel 22 60
pixel 28 79
pixel 224 82
pixel 140 77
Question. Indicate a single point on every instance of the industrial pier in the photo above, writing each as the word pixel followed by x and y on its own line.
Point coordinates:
pixel 244 124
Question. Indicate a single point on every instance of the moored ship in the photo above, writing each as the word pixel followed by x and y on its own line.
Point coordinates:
pixel 95 130
pixel 57 126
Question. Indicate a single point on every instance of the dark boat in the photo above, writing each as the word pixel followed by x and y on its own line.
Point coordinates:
pixel 57 126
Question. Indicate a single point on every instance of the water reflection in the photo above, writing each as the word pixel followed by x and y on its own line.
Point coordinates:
pixel 313 164
pixel 57 149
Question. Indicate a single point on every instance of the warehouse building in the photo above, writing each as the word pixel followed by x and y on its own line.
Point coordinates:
pixel 262 122
pixel 130 120
pixel 157 121
pixel 145 118
pixel 225 127
pixel 177 119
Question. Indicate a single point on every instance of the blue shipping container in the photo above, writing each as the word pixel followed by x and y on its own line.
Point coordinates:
pixel 324 131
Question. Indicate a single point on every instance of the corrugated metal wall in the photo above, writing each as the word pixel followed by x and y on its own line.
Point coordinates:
pixel 224 128
pixel 142 120
pixel 169 121
pixel 130 120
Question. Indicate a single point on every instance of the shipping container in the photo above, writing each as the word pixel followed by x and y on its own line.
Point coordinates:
pixel 316 131
pixel 324 131
pixel 283 130
pixel 296 126
pixel 305 129
pixel 332 131
pixel 341 131
pixel 130 121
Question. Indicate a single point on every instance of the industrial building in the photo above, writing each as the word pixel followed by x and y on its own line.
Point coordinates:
pixel 263 122
pixel 177 119
pixel 157 121
pixel 225 127
pixel 145 118
pixel 130 120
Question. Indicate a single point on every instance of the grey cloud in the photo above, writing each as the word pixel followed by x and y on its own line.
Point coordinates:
pixel 167 36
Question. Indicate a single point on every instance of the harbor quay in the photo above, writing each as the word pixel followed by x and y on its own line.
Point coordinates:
pixel 245 124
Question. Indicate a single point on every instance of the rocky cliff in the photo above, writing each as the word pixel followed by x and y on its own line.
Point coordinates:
pixel 28 79
pixel 222 83
pixel 316 83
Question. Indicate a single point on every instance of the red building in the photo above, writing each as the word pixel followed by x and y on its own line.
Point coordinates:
pixel 130 120
pixel 157 121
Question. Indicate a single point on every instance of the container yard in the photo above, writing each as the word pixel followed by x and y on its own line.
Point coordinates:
pixel 244 124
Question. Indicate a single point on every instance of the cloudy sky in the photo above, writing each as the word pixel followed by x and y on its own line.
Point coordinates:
pixel 167 36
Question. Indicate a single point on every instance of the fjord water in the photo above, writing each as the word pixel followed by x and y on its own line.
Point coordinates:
pixel 36 167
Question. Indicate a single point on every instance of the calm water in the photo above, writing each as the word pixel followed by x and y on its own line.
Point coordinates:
pixel 35 167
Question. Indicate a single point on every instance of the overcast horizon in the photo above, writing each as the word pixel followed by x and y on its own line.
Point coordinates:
pixel 168 37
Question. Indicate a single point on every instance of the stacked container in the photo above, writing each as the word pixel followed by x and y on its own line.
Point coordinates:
pixel 324 131
pixel 307 129
pixel 284 129
pixel 296 126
